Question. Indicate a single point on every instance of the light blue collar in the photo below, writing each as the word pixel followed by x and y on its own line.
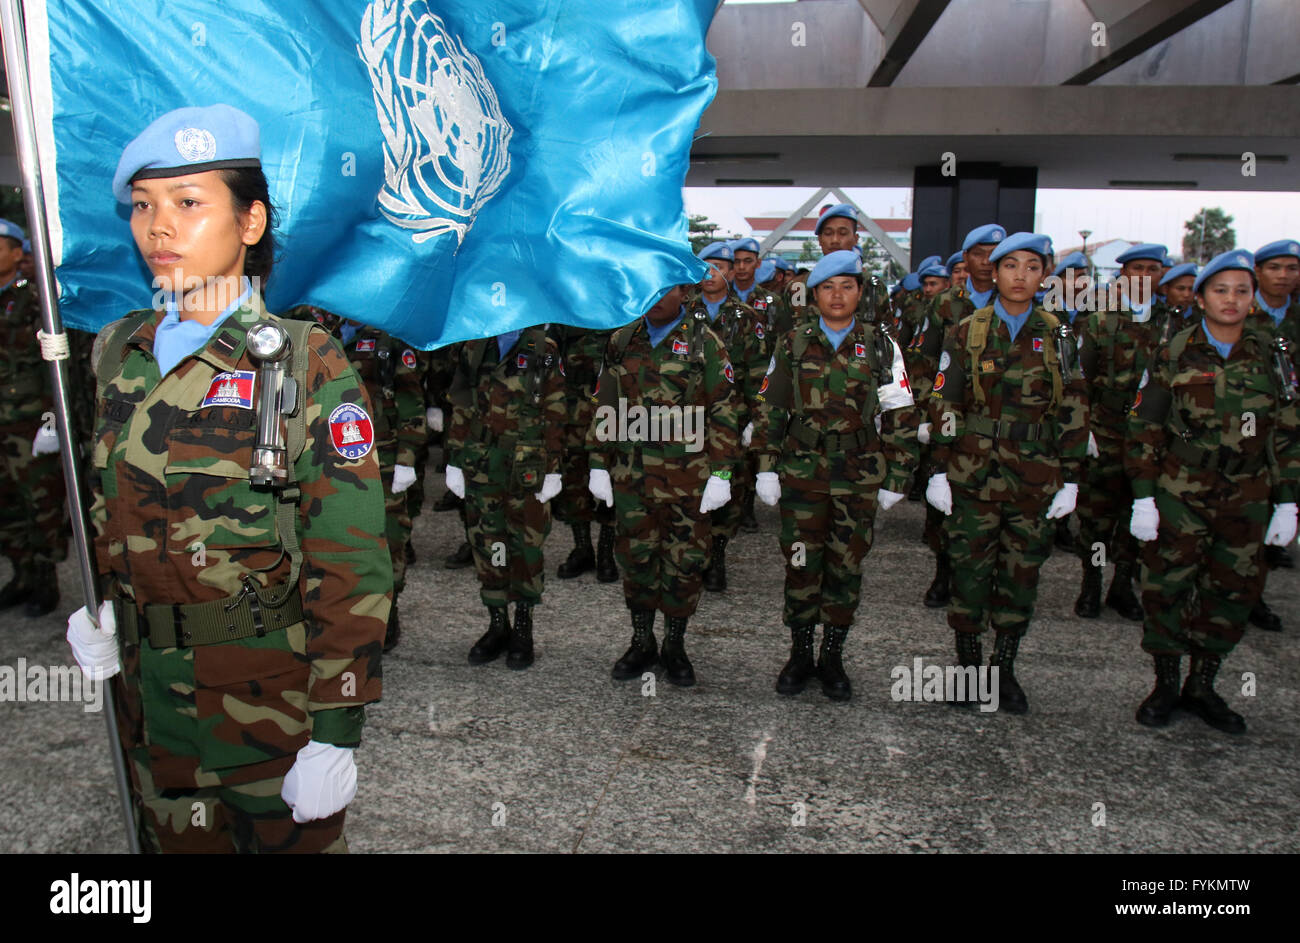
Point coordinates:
pixel 744 293
pixel 1277 314
pixel 1223 349
pixel 656 334
pixel 713 306
pixel 835 338
pixel 174 340
pixel 981 298
pixel 1014 322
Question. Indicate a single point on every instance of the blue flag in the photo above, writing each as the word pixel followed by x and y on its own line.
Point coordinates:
pixel 443 169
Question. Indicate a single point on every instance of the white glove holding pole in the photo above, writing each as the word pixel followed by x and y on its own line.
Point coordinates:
pixel 456 481
pixel 95 646
pixel 747 436
pixel 551 485
pixel 322 781
pixel 601 488
pixel 888 499
pixel 1093 451
pixel 1145 522
pixel 939 493
pixel 768 488
pixel 1281 529
pixel 1064 501
pixel 923 433
pixel 403 478
pixel 433 416
pixel 717 492
pixel 46 441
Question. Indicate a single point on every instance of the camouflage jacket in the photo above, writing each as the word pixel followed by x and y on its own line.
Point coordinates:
pixel 177 521
pixel 390 369
pixel 666 416
pixel 1047 447
pixel 581 350
pixel 744 333
pixel 1261 320
pixel 922 338
pixel 819 413
pixel 1114 351
pixel 1200 421
pixel 507 421
pixel 24 376
pixel 438 376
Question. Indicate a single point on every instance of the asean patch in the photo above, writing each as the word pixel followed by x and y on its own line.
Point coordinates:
pixel 408 358
pixel 521 361
pixel 366 345
pixel 728 372
pixel 938 381
pixel 681 347
pixel 231 389
pixel 352 431
pixel 859 350
pixel 762 387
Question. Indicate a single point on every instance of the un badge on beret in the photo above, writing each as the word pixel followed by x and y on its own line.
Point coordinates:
pixel 351 431
pixel 196 145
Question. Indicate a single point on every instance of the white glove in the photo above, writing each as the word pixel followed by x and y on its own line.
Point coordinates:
pixel 1281 529
pixel 95 647
pixel 322 781
pixel 456 481
pixel 1145 522
pixel 888 498
pixel 747 436
pixel 1064 501
pixel 551 485
pixel 717 492
pixel 433 416
pixel 599 485
pixel 403 478
pixel 923 433
pixel 768 488
pixel 1093 451
pixel 939 493
pixel 46 441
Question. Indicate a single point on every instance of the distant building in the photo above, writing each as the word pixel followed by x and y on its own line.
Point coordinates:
pixel 1102 254
pixel 791 246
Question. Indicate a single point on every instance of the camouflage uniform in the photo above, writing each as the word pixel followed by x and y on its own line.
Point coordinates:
pixel 177 524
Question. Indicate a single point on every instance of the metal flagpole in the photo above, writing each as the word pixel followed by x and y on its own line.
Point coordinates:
pixel 15 48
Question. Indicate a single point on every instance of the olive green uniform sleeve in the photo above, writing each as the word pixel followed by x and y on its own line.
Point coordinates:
pixel 408 394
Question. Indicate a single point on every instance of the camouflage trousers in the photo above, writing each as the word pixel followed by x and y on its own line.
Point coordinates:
pixel 574 504
pixel 32 513
pixel 934 533
pixel 506 530
pixel 1203 573
pixel 725 521
pixel 397 523
pixel 662 548
pixel 1105 506
pixel 825 539
pixel 997 548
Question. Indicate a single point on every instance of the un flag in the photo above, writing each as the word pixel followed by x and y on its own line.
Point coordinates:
pixel 444 169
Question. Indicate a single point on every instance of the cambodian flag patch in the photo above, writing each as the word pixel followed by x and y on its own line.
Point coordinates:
pixel 681 347
pixel 231 389
pixel 521 361
pixel 408 358
pixel 729 373
pixel 366 344
pixel 758 330
pixel 352 431
pixel 859 350
pixel 1038 343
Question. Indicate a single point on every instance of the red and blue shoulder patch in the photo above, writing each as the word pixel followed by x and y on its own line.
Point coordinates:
pixel 408 358
pixel 351 431
pixel 231 389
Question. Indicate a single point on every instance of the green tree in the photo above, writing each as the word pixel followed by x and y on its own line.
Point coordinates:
pixel 811 252
pixel 702 232
pixel 1208 234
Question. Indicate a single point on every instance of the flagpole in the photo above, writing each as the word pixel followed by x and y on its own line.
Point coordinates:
pixel 20 98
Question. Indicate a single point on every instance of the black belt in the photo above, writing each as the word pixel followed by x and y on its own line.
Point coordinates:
pixel 1004 429
pixel 1223 461
pixel 206 623
pixel 831 442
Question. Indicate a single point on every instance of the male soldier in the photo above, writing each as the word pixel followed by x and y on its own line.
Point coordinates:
pixel 31 519
pixel 836 230
pixel 957 267
pixel 744 334
pixel 663 473
pixel 506 444
pixel 442 372
pixel 1118 341
pixel 1063 299
pixel 581 350
pixel 415 493
pixel 1177 287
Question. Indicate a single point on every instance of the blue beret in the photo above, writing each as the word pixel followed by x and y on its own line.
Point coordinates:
pixel 988 234
pixel 765 271
pixel 839 209
pixel 953 259
pixel 716 250
pixel 936 269
pixel 186 141
pixel 929 260
pixel 783 264
pixel 27 245
pixel 1143 250
pixel 1274 249
pixel 1168 261
pixel 1073 260
pixel 1026 241
pixel 840 262
pixel 911 281
pixel 1178 271
pixel 748 244
pixel 1236 259
pixel 12 231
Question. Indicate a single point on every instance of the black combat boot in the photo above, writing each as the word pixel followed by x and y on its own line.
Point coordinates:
pixel 17 589
pixel 673 653
pixel 715 577
pixel 606 568
pixel 643 653
pixel 394 633
pixel 1265 618
pixel 1199 697
pixel 448 502
pixel 940 592
pixel 493 642
pixel 802 666
pixel 748 522
pixel 1011 697
pixel 1278 557
pixel 1088 605
pixel 409 552
pixel 1121 597
pixel 830 664
pixel 520 654
pixel 970 654
pixel 582 557
pixel 1064 539
pixel 44 597
pixel 462 558
pixel 1159 706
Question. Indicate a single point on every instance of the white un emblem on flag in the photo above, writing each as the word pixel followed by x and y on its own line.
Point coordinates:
pixel 446 142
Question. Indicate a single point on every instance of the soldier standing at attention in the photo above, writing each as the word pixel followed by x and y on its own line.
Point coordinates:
pixel 1177 286
pixel 507 432
pixel 1073 280
pixel 1211 446
pixel 31 519
pixel 662 478
pixel 245 597
pixel 822 456
pixel 1009 414
pixel 957 268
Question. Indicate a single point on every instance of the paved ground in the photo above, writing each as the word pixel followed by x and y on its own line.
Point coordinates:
pixel 567 760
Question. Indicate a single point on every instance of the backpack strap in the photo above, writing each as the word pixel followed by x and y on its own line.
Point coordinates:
pixel 977 339
pixel 1051 358
pixel 109 346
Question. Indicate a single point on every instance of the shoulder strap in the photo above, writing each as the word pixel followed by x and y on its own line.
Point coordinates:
pixel 1052 360
pixel 977 338
pixel 797 350
pixel 108 348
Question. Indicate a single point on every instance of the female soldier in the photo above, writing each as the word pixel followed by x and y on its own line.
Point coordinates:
pixel 246 595
pixel 822 456
pixel 1211 443
pixel 1009 421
